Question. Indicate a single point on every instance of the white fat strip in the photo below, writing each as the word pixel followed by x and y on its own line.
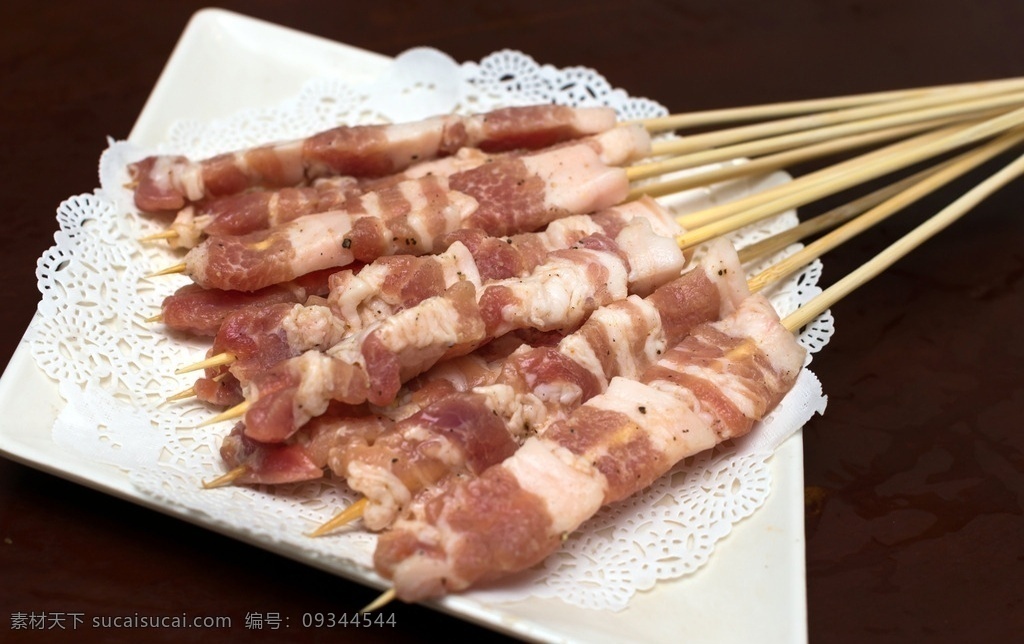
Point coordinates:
pixel 757 319
pixel 433 321
pixel 428 222
pixel 464 159
pixel 576 180
pixel 722 266
pixel 289 157
pixel 594 119
pixel 311 397
pixel 523 412
pixel 182 176
pixel 663 221
pixel 559 232
pixel 558 294
pixel 352 290
pixel 437 446
pixel 408 142
pixel 623 322
pixel 669 423
pixel 623 144
pixel 458 265
pixel 189 227
pixel 321 236
pixel 575 347
pixel 385 491
pixel 547 470
pixel 313 327
pixel 653 259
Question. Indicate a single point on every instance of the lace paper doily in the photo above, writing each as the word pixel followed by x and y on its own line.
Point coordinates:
pixel 115 371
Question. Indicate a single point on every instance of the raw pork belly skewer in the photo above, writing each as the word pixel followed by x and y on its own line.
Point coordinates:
pixel 619 338
pixel 895 197
pixel 248 212
pixel 509 195
pixel 169 183
pixel 924 182
pixel 536 386
pixel 343 426
pixel 370 365
pixel 254 339
pixel 711 387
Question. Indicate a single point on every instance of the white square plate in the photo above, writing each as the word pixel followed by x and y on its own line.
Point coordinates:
pixel 753 589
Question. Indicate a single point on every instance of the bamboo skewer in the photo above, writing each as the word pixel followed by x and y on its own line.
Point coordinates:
pixel 792 108
pixel 824 175
pixel 892 198
pixel 827 220
pixel 761 164
pixel 218 360
pixel 857 134
pixel 935 106
pixel 870 269
pixel 846 176
pixel 857 175
pixel 873 267
pixel 228 414
pixel 950 170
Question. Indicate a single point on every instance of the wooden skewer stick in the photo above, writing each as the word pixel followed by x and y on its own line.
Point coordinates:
pixel 950 170
pixel 346 516
pixel 974 99
pixel 888 127
pixel 170 270
pixel 873 267
pixel 191 391
pixel 154 318
pixel 791 108
pixel 218 360
pixel 229 414
pixel 762 164
pixel 713 214
pixel 385 598
pixel 226 479
pixel 163 234
pixel 890 116
pixel 827 220
pixel 766 246
pixel 857 175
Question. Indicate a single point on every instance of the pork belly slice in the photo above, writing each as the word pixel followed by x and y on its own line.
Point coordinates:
pixel 373 363
pixel 344 428
pixel 244 213
pixel 507 196
pixel 170 182
pixel 539 386
pixel 260 337
pixel 199 311
pixel 517 513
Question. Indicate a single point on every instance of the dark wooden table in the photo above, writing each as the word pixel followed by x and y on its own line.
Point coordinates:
pixel 915 476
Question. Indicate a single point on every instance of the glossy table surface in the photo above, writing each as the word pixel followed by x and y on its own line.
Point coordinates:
pixel 914 476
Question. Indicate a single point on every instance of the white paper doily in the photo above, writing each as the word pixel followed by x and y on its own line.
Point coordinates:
pixel 115 370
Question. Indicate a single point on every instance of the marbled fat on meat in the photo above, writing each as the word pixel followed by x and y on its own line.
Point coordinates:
pixel 609 448
pixel 169 183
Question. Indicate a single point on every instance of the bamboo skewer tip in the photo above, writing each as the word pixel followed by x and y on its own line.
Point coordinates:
pixel 227 478
pixel 385 598
pixel 164 234
pixel 346 516
pixel 218 360
pixel 170 270
pixel 230 414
